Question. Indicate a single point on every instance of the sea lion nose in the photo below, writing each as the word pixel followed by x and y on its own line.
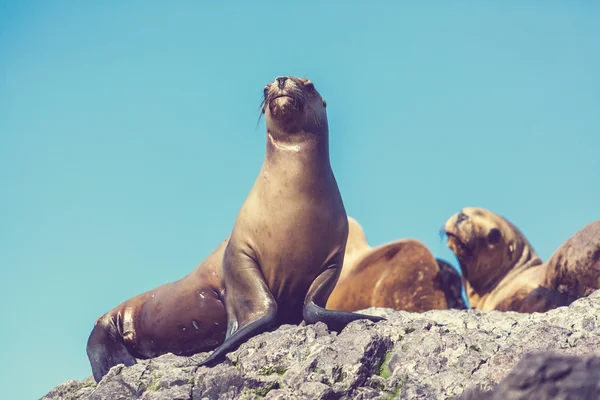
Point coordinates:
pixel 281 81
pixel 461 217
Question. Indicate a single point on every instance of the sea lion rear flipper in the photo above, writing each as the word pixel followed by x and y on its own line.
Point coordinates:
pixel 105 348
pixel 316 298
pixel 251 308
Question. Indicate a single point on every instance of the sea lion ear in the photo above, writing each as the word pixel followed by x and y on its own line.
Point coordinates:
pixel 324 102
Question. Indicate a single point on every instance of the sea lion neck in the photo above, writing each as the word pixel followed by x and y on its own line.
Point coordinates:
pixel 524 258
pixel 311 151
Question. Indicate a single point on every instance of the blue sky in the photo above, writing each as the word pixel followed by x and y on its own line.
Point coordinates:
pixel 128 138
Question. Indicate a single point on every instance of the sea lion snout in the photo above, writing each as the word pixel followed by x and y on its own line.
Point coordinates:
pixel 285 97
pixel 281 81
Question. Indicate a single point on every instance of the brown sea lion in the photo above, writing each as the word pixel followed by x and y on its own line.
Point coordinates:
pixel 499 266
pixel 402 275
pixel 182 317
pixel 572 272
pixel 287 246
pixel 574 268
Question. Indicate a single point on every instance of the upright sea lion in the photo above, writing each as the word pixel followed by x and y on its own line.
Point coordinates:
pixel 402 275
pixel 287 246
pixel 499 266
pixel 182 317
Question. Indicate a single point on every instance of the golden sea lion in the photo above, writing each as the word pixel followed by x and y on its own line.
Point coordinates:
pixel 402 275
pixel 499 266
pixel 287 246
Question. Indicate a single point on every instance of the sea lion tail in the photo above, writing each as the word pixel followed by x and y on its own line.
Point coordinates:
pixel 105 349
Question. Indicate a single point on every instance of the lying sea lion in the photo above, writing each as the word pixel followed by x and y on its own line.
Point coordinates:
pixel 287 246
pixel 499 266
pixel 574 268
pixel 452 285
pixel 402 275
pixel 572 272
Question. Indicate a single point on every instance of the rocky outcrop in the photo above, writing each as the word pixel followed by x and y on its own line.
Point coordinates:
pixel 433 355
pixel 546 376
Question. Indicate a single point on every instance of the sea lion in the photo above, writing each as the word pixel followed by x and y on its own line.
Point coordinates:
pixel 572 272
pixel 402 275
pixel 499 266
pixel 574 268
pixel 452 285
pixel 287 245
pixel 182 317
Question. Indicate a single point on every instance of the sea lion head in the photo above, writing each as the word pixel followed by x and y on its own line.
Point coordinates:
pixel 293 106
pixel 486 245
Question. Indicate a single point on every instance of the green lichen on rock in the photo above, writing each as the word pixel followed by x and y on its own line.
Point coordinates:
pixel 153 386
pixel 395 393
pixel 263 391
pixel 270 370
pixel 384 371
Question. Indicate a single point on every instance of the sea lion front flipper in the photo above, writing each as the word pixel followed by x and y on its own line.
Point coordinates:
pixel 316 298
pixel 251 308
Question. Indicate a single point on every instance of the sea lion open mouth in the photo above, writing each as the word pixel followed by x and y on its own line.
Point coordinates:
pixel 460 248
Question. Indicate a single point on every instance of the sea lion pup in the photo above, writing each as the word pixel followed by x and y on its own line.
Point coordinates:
pixel 182 317
pixel 572 272
pixel 499 266
pixel 402 275
pixel 287 246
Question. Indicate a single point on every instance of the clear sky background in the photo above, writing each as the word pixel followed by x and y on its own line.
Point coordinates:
pixel 129 138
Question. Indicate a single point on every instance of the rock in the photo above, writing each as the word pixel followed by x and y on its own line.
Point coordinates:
pixel 436 354
pixel 546 376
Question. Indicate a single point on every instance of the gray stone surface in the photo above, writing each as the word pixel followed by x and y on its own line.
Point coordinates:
pixel 545 376
pixel 437 354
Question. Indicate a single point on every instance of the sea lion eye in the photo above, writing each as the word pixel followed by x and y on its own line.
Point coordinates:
pixel 494 236
pixel 310 87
